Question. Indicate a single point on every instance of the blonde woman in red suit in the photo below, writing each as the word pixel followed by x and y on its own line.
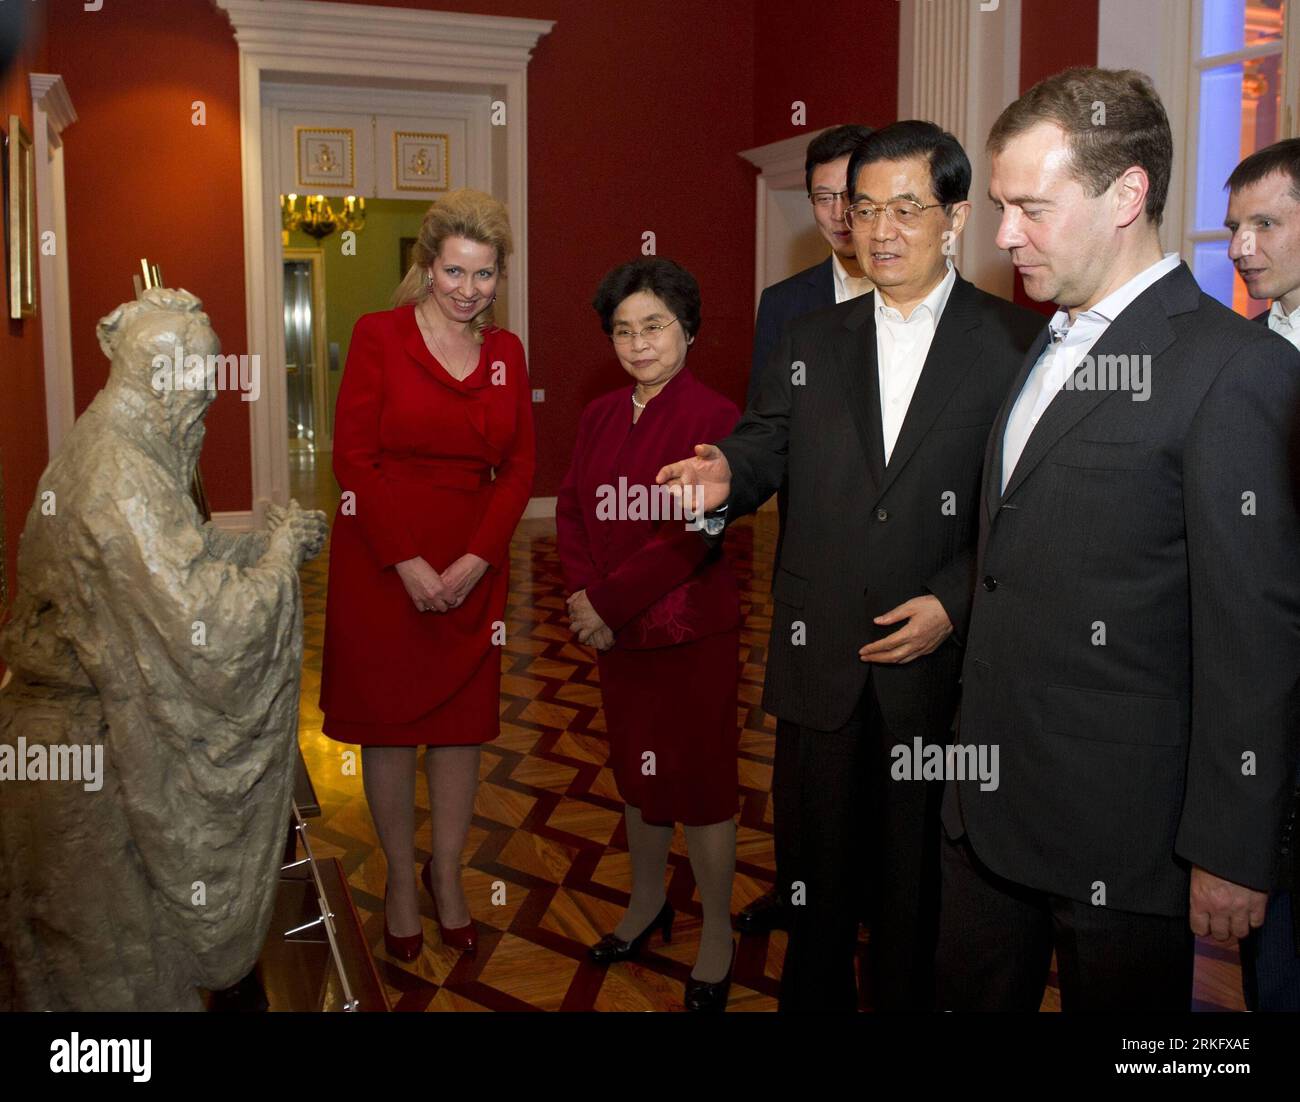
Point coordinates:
pixel 433 452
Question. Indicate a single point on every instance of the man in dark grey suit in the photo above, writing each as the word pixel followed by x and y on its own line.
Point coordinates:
pixel 838 278
pixel 877 410
pixel 1135 633
pixel 1264 217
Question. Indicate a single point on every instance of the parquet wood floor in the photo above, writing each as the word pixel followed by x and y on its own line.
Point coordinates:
pixel 546 863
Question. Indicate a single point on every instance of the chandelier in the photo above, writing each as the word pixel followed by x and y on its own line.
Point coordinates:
pixel 317 218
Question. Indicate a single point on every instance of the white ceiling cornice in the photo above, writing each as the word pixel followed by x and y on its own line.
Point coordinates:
pixel 782 156
pixel 50 94
pixel 313 28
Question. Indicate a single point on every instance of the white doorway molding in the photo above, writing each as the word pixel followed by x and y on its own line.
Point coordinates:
pixel 959 66
pixel 786 239
pixel 348 46
pixel 52 113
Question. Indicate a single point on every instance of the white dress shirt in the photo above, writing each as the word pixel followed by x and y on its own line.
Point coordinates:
pixel 1069 343
pixel 1284 324
pixel 847 286
pixel 901 348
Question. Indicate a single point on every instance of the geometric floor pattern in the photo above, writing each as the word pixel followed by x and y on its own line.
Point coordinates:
pixel 546 863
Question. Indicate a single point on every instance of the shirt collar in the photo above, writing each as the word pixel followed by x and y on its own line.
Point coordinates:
pixel 934 302
pixel 1115 303
pixel 848 286
pixel 1279 318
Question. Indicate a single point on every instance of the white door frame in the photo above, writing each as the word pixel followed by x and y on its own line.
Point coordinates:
pixel 780 167
pixel 346 45
pixel 52 112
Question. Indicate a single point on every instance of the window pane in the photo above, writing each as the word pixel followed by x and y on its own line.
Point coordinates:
pixel 1214 271
pixel 1261 103
pixel 1264 20
pixel 1223 26
pixel 1228 25
pixel 1239 113
pixel 1218 142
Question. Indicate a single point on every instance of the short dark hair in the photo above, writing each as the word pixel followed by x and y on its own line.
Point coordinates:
pixel 1283 156
pixel 664 278
pixel 900 141
pixel 1135 130
pixel 830 145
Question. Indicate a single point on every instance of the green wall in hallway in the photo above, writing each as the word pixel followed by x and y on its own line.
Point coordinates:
pixel 361 284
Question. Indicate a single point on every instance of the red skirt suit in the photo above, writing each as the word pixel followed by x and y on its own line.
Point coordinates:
pixel 414 455
pixel 669 683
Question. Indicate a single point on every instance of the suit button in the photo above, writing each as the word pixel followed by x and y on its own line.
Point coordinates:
pixel 990 582
pixel 882 514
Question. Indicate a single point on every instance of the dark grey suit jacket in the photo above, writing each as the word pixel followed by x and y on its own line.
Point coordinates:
pixel 862 537
pixel 1134 646
pixel 779 304
pixel 1288 876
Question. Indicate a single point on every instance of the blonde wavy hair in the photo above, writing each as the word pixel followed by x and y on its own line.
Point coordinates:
pixel 460 213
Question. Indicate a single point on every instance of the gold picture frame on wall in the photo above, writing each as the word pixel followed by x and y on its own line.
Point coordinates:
pixel 421 162
pixel 20 215
pixel 326 157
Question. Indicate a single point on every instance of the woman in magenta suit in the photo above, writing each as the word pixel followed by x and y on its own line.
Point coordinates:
pixel 433 452
pixel 663 612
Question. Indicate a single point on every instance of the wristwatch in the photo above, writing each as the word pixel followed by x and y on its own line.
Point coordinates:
pixel 714 521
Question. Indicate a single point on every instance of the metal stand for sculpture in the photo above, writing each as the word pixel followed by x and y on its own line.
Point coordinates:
pixel 326 919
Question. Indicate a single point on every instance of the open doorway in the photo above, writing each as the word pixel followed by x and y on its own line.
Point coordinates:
pixel 355 169
pixel 388 72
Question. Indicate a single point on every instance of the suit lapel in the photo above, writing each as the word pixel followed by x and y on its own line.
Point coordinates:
pixel 957 344
pixel 993 452
pixel 822 280
pixel 858 375
pixel 1141 329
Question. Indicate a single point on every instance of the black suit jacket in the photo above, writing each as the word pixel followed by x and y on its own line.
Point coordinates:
pixel 1134 644
pixel 803 292
pixel 1288 877
pixel 862 537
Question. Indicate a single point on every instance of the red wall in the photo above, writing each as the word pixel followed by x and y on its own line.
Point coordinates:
pixel 1056 36
pixel 637 113
pixel 24 445
pixel 630 129
pixel 1053 37
pixel 825 56
pixel 142 181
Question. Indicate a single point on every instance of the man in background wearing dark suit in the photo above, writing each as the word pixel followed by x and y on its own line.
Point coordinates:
pixel 1264 217
pixel 1133 642
pixel 876 410
pixel 836 279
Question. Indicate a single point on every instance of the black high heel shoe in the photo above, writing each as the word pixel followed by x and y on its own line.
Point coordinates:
pixel 611 948
pixel 710 997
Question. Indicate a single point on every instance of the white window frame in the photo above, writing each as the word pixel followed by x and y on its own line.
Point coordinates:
pixel 1288 49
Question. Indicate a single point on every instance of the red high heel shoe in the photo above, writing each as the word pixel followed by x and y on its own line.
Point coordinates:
pixel 403 948
pixel 464 938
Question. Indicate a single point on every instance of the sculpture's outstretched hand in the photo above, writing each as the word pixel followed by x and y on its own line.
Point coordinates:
pixel 296 533
pixel 702 482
